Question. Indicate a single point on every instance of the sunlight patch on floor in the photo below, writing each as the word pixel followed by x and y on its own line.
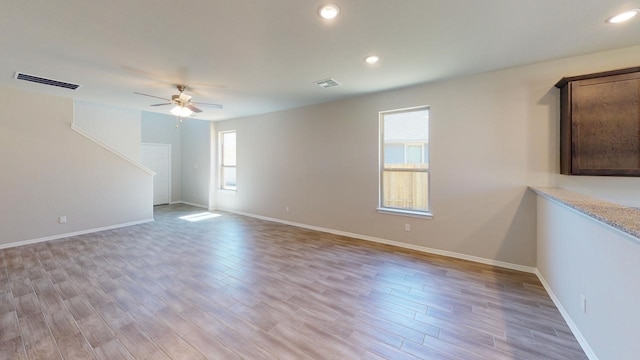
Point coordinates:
pixel 199 216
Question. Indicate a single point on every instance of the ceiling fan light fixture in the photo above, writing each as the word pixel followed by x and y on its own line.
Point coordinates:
pixel 622 17
pixel 329 11
pixel 372 59
pixel 181 111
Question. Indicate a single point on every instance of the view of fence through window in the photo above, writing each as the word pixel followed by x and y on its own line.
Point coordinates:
pixel 404 178
pixel 228 160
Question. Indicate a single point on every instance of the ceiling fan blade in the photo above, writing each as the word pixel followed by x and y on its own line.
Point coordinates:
pixel 193 108
pixel 157 97
pixel 161 104
pixel 217 106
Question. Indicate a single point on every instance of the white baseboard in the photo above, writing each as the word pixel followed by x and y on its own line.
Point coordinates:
pixel 574 328
pixel 190 203
pixel 424 249
pixel 75 233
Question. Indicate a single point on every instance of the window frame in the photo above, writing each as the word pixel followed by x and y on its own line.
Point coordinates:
pixel 222 165
pixel 425 214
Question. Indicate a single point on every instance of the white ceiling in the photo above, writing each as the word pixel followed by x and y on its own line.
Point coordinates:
pixel 257 56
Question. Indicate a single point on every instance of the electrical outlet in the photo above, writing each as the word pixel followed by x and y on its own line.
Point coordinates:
pixel 286 208
pixel 62 219
pixel 407 227
pixel 583 303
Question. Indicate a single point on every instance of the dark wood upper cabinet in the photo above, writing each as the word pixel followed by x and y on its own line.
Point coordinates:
pixel 600 123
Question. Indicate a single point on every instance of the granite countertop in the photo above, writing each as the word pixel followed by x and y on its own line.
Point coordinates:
pixel 623 218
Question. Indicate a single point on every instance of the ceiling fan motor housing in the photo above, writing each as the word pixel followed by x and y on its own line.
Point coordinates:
pixel 181 100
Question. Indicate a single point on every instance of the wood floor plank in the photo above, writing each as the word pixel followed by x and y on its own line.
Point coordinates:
pixel 44 348
pixel 79 307
pixel 62 324
pixel 67 289
pixel 137 343
pixel 113 350
pixel 42 285
pixel 424 352
pixel 33 328
pixel 95 330
pixel 233 287
pixel 7 302
pixel 51 302
pixel 391 326
pixel 95 296
pixel 12 349
pixel 21 287
pixel 113 316
pixel 26 305
pixel 75 347
pixel 381 349
pixel 308 346
pixel 278 347
pixel 362 328
pixel 175 321
pixel 209 346
pixel 176 347
pixel 9 328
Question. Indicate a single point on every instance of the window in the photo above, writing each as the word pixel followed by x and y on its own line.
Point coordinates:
pixel 404 161
pixel 228 160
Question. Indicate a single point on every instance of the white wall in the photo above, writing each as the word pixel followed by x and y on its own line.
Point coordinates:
pixel 196 161
pixel 161 129
pixel 492 135
pixel 190 154
pixel 620 190
pixel 322 162
pixel 117 128
pixel 580 256
pixel 49 170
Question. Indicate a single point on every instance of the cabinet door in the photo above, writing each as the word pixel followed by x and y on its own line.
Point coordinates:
pixel 605 125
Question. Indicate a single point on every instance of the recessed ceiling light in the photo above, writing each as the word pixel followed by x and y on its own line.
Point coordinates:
pixel 329 11
pixel 372 59
pixel 622 17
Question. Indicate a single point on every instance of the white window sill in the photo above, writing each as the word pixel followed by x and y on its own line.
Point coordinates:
pixel 228 191
pixel 409 213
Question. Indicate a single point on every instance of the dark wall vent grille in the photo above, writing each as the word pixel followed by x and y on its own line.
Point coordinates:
pixel 45 81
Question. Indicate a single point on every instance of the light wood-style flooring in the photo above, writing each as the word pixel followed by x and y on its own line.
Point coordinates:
pixel 232 287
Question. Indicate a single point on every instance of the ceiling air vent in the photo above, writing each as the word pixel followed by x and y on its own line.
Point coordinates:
pixel 45 81
pixel 327 83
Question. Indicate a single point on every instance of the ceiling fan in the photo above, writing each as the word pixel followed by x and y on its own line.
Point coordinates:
pixel 183 105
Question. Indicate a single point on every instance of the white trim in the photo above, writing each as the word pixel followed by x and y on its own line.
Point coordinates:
pixel 189 203
pixel 75 233
pixel 228 191
pixel 410 213
pixel 424 249
pixel 112 150
pixel 574 328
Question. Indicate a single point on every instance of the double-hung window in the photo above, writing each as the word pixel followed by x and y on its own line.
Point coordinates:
pixel 404 161
pixel 228 160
